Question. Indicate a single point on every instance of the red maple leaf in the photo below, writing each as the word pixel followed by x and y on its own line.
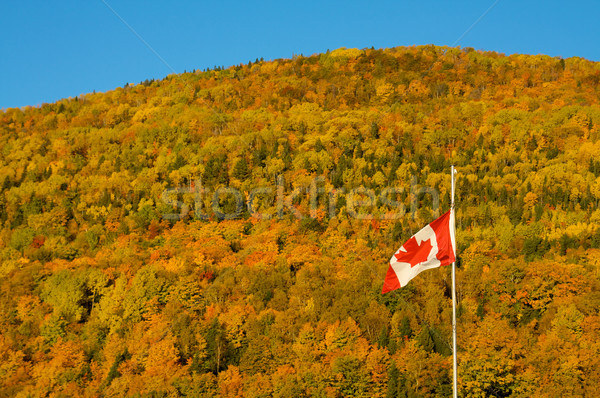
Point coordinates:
pixel 415 253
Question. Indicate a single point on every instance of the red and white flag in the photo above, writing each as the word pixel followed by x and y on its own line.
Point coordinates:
pixel 431 247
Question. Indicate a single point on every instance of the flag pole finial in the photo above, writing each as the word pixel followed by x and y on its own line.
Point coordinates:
pixel 453 172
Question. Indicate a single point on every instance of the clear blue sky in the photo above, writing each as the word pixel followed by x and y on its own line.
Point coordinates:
pixel 56 49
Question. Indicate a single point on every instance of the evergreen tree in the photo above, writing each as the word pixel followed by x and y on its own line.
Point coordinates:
pixel 241 171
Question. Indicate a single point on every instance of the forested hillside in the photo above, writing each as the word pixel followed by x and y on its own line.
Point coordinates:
pixel 227 232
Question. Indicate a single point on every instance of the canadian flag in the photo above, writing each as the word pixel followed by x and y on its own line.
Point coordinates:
pixel 431 247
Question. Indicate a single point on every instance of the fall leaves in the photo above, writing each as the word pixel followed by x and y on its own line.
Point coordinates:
pixel 101 295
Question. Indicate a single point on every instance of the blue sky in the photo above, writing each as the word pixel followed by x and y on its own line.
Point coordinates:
pixel 56 49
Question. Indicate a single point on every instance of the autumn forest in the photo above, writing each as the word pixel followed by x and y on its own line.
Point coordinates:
pixel 227 232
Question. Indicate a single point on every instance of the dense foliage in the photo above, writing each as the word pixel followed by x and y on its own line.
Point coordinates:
pixel 103 294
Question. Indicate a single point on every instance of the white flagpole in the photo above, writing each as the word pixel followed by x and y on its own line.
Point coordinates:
pixel 455 389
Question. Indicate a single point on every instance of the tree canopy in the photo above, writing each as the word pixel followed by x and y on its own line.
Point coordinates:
pixel 226 232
